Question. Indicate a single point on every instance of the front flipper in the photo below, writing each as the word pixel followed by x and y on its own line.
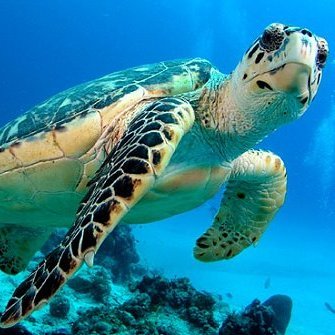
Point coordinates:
pixel 255 191
pixel 127 174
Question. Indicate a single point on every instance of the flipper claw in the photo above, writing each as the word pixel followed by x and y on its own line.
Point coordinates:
pixel 89 258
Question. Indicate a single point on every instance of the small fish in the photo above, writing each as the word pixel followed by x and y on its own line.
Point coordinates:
pixel 229 295
pixel 267 283
pixel 330 308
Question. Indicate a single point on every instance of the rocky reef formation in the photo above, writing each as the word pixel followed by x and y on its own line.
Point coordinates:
pixel 193 306
pixel 59 307
pixel 119 296
pixel 118 253
pixel 158 306
pixel 269 318
pixel 95 284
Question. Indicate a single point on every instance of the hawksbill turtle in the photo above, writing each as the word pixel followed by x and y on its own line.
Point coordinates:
pixel 147 143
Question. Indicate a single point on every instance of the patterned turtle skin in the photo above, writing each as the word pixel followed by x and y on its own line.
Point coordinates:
pixel 147 143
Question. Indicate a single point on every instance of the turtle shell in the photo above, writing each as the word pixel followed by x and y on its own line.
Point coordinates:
pixel 158 80
pixel 50 153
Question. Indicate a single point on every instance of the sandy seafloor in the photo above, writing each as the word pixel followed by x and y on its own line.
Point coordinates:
pixel 299 272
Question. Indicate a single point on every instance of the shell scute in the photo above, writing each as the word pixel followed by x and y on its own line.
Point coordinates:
pixel 157 80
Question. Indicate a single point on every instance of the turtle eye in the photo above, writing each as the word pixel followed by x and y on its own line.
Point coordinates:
pixel 322 55
pixel 272 38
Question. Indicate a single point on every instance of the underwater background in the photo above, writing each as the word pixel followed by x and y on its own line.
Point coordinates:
pixel 48 46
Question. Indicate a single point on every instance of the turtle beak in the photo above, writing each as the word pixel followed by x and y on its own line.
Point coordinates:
pixel 294 79
pixel 304 57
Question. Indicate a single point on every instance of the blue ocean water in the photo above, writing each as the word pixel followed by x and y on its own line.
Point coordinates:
pixel 46 47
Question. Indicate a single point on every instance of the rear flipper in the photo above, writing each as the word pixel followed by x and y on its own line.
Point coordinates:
pixel 18 245
pixel 255 191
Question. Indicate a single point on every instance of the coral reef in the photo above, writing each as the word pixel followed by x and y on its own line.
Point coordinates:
pixel 192 305
pixel 120 254
pixel 97 285
pixel 104 323
pixel 154 299
pixel 270 318
pixel 59 307
pixel 147 304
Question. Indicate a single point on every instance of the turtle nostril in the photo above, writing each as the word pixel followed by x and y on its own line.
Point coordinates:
pixel 306 32
pixel 304 100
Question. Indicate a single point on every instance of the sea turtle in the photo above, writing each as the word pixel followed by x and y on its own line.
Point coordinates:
pixel 147 143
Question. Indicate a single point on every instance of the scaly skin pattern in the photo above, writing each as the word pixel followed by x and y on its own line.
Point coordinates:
pixel 195 120
pixel 131 168
pixel 254 193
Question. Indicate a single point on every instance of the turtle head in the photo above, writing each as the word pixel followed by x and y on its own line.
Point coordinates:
pixel 279 75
